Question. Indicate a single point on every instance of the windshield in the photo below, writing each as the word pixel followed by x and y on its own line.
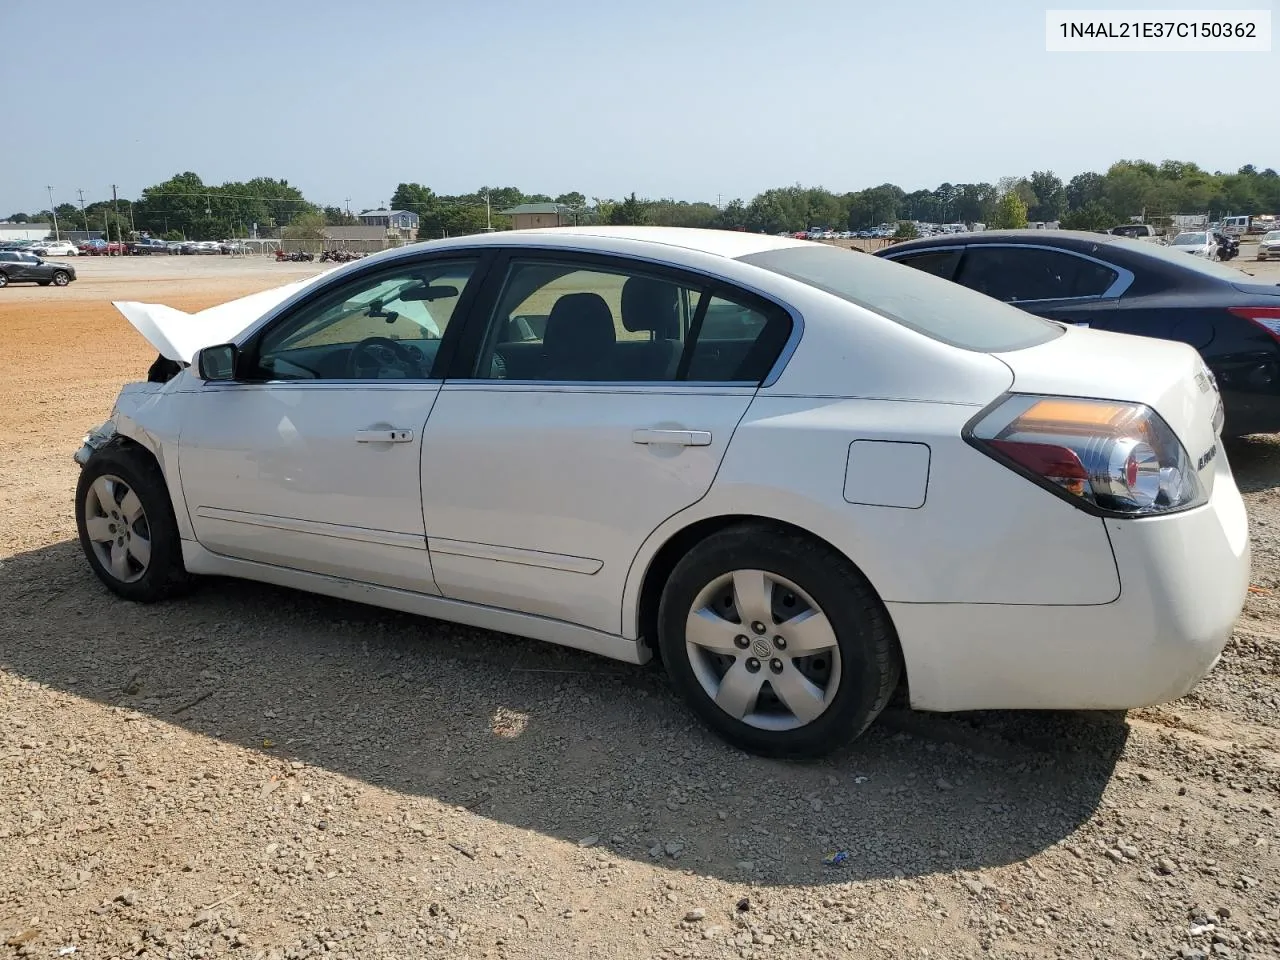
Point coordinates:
pixel 927 304
pixel 1189 239
pixel 1273 235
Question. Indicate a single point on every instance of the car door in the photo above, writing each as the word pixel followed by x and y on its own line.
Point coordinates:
pixel 1058 284
pixel 595 398
pixel 310 458
pixel 21 267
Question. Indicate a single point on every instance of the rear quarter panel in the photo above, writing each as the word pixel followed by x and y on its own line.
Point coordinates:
pixel 982 535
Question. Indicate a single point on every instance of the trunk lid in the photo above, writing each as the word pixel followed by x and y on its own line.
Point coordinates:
pixel 1169 377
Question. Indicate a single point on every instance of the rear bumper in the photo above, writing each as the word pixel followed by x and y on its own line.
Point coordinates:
pixel 1183 583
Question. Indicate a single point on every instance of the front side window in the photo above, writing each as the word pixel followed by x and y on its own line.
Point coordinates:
pixel 567 322
pixel 385 326
pixel 1020 274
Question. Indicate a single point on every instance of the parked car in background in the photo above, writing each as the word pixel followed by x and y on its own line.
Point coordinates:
pixel 103 248
pixel 1269 245
pixel 1006 512
pixel 1198 243
pixel 147 246
pixel 18 267
pixel 55 248
pixel 1115 284
pixel 199 248
pixel 1137 231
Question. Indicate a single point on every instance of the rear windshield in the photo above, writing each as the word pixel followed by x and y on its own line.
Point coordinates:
pixel 1201 265
pixel 927 304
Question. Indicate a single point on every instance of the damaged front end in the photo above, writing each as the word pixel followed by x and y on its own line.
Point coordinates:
pixel 94 440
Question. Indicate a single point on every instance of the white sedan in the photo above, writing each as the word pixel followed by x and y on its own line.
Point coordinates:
pixel 1197 243
pixel 797 475
pixel 56 248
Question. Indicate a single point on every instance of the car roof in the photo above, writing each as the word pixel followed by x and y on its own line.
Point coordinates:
pixel 1064 238
pixel 731 244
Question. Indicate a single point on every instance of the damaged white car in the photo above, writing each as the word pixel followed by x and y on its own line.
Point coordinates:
pixel 799 476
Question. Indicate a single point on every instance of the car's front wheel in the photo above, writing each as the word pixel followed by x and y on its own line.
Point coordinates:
pixel 4 281
pixel 126 524
pixel 777 641
pixel 61 278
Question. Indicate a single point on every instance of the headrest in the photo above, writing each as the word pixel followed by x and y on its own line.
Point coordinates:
pixel 579 321
pixel 649 304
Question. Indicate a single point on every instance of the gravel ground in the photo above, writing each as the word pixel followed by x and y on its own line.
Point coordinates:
pixel 258 773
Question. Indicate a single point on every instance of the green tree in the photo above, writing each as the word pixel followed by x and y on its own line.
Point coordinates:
pixel 1010 212
pixel 1050 194
pixel 630 212
pixel 306 226
pixel 1092 216
pixel 906 230
pixel 337 217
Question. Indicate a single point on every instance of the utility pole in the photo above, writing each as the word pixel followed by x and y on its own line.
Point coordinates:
pixel 348 202
pixel 56 235
pixel 488 215
pixel 115 204
pixel 83 216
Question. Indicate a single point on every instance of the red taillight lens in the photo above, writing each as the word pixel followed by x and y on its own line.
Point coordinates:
pixel 1118 457
pixel 1268 318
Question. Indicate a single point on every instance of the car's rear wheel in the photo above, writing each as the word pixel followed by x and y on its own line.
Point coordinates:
pixel 777 641
pixel 61 278
pixel 126 524
pixel 4 281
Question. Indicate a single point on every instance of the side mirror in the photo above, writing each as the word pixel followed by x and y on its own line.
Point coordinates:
pixel 218 362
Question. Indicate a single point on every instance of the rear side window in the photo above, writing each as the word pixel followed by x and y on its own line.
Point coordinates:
pixel 940 263
pixel 1020 274
pixel 927 304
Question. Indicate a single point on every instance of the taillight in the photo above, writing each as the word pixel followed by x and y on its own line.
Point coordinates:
pixel 1118 458
pixel 1268 318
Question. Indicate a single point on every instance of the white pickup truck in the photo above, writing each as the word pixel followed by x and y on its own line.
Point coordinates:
pixel 1137 231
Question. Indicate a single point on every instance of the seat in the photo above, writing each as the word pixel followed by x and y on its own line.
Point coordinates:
pixel 654 306
pixel 579 340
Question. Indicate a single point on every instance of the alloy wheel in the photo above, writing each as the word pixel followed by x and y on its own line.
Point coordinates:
pixel 762 650
pixel 117 527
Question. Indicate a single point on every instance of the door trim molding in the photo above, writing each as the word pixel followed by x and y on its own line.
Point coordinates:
pixel 529 558
pixel 199 560
pixel 340 531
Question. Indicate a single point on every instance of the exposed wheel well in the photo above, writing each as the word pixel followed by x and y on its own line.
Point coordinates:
pixel 665 560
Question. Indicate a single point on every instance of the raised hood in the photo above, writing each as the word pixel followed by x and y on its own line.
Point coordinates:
pixel 179 335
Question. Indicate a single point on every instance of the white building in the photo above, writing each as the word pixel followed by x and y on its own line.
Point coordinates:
pixel 24 231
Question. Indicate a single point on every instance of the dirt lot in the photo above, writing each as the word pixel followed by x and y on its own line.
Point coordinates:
pixel 260 773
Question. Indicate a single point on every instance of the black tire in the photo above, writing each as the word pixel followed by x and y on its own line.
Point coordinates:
pixel 61 278
pixel 871 661
pixel 4 281
pixel 165 575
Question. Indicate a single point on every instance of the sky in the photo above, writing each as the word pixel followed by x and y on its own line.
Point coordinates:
pixel 690 99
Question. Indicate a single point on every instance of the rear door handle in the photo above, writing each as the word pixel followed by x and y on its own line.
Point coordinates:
pixel 391 435
pixel 685 438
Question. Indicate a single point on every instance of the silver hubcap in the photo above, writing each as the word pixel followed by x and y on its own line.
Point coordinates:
pixel 60 279
pixel 117 527
pixel 763 650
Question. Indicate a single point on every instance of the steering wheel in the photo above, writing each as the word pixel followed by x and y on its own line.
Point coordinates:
pixel 383 352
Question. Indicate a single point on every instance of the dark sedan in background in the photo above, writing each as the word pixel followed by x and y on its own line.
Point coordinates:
pixel 1113 283
pixel 18 267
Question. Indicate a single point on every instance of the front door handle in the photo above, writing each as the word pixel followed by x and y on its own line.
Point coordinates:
pixel 391 435
pixel 685 438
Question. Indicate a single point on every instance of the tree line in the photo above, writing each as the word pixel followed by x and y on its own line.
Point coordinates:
pixel 186 207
